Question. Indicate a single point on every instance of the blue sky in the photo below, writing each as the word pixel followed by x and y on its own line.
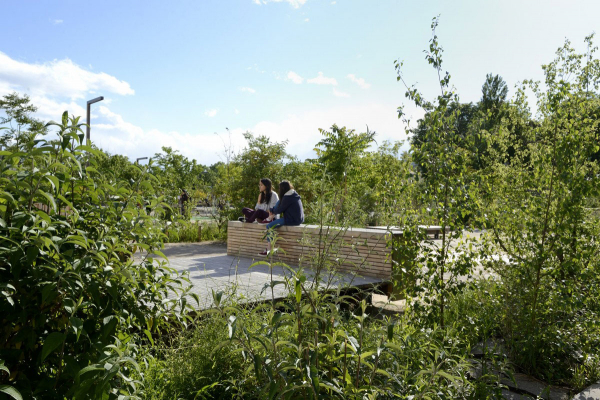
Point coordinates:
pixel 175 73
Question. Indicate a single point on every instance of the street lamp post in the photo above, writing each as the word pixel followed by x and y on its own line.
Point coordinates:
pixel 89 103
pixel 140 158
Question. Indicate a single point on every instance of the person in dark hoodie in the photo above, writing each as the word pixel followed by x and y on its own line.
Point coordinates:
pixel 290 205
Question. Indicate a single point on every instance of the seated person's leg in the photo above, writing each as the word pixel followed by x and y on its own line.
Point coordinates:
pixel 273 224
pixel 259 215
pixel 276 223
pixel 247 213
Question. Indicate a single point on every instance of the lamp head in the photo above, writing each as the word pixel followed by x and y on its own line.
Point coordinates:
pixel 97 99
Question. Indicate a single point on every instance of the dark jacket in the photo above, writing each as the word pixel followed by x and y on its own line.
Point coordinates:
pixel 291 207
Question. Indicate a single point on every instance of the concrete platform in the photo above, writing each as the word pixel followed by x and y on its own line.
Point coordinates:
pixel 210 268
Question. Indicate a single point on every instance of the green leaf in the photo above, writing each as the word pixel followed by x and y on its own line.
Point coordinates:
pixel 50 199
pixel 149 336
pixel 11 391
pixel 54 181
pixel 89 368
pixel 4 367
pixel 64 200
pixel 53 340
pixel 77 325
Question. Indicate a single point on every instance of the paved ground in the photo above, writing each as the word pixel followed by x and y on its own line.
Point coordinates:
pixel 210 268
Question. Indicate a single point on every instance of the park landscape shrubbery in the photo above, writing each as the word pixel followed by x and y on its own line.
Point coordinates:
pixel 81 317
pixel 76 307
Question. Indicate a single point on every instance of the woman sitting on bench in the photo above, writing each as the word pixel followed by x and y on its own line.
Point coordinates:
pixel 266 200
pixel 290 205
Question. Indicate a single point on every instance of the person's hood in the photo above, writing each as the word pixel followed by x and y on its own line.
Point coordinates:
pixel 292 193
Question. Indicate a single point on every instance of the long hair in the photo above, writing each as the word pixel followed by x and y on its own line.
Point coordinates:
pixel 284 187
pixel 265 197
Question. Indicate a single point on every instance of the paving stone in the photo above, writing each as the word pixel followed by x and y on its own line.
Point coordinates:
pixel 491 346
pixel 591 393
pixel 508 395
pixel 535 387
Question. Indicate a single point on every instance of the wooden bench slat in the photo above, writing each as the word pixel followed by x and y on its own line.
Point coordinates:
pixel 367 251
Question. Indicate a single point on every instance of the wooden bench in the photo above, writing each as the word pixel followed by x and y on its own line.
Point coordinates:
pixel 432 230
pixel 365 251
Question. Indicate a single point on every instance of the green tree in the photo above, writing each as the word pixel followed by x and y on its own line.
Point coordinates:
pixel 339 153
pixel 21 126
pixel 493 92
pixel 261 158
pixel 425 268
pixel 537 208
pixel 176 172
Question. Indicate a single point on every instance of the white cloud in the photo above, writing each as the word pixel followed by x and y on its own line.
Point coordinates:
pixel 337 93
pixel 294 77
pixel 306 20
pixel 302 130
pixel 114 134
pixel 51 110
pixel 58 78
pixel 57 86
pixel 333 3
pixel 247 89
pixel 322 80
pixel 118 136
pixel 359 81
pixel 211 113
pixel 236 111
pixel 293 3
pixel 57 21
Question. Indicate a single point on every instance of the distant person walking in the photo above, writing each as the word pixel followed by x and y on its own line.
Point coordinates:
pixel 183 198
pixel 291 207
pixel 266 200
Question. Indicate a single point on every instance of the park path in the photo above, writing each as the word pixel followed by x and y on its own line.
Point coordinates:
pixel 210 268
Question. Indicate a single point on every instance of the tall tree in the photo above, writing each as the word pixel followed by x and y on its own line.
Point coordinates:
pixel 493 92
pixel 261 158
pixel 20 124
pixel 537 208
pixel 338 154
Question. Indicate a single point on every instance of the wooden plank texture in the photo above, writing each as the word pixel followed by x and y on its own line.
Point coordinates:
pixel 365 251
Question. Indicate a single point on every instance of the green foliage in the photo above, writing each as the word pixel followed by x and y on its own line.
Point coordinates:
pixel 119 167
pixel 426 270
pixel 339 150
pixel 385 187
pixel 75 303
pixel 493 92
pixel 183 231
pixel 549 240
pixel 339 154
pixel 9 390
pixel 310 344
pixel 21 126
pixel 260 159
pixel 175 172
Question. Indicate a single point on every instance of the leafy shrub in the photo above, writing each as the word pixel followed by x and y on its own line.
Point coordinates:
pixel 187 367
pixel 309 345
pixel 542 227
pixel 182 231
pixel 74 302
